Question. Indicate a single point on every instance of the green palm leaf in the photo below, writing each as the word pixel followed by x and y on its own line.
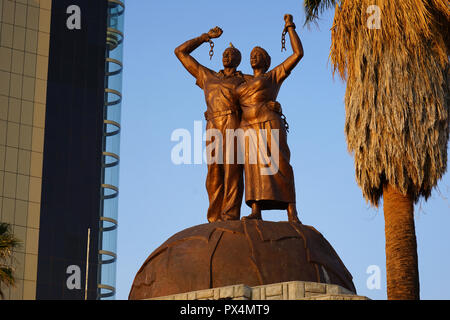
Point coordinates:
pixel 7 243
pixel 315 7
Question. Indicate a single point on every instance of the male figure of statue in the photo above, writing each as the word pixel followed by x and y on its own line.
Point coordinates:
pixel 224 181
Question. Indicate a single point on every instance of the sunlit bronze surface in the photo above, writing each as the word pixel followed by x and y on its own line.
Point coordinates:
pixel 224 182
pixel 260 111
pixel 251 252
pixel 228 94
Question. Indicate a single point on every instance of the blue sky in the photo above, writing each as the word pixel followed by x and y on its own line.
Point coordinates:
pixel 158 199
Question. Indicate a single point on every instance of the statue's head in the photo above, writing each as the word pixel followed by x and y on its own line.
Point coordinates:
pixel 231 57
pixel 260 59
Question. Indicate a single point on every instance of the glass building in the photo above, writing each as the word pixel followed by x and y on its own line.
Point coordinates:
pixel 60 110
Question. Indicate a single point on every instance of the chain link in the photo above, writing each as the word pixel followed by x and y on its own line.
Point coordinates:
pixel 211 52
pixel 286 124
pixel 283 40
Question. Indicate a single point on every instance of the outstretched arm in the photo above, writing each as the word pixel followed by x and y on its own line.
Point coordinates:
pixel 290 63
pixel 183 52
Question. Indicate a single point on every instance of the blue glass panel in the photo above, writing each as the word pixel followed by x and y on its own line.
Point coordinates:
pixel 111 149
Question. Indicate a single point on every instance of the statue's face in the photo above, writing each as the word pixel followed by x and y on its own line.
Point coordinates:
pixel 230 59
pixel 257 59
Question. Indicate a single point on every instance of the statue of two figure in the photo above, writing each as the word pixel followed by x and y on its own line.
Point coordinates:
pixel 248 102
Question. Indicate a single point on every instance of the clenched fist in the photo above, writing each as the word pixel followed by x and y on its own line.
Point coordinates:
pixel 215 32
pixel 289 19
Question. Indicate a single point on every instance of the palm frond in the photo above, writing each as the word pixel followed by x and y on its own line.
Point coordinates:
pixel 7 278
pixel 7 241
pixel 4 228
pixel 6 275
pixel 397 107
pixel 7 244
pixel 315 7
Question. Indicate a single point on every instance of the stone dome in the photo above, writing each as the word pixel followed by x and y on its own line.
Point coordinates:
pixel 251 252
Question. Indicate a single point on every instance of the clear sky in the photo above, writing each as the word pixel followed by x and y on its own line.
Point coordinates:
pixel 158 198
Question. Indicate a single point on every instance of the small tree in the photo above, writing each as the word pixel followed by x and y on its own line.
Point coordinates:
pixel 7 243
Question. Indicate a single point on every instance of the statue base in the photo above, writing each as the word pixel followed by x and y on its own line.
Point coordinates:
pixel 228 253
pixel 294 290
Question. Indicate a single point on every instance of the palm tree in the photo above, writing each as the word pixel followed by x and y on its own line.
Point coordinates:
pixel 397 112
pixel 7 243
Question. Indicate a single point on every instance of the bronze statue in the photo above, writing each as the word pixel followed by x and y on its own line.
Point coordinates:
pixel 257 99
pixel 248 102
pixel 224 182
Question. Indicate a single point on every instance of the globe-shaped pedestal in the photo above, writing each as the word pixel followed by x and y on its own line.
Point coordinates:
pixel 251 252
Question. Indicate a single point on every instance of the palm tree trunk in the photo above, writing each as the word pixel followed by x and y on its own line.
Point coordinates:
pixel 401 247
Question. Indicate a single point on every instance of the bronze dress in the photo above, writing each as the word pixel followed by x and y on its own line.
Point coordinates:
pixel 257 97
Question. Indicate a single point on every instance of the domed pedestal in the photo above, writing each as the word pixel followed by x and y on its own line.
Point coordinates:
pixel 227 253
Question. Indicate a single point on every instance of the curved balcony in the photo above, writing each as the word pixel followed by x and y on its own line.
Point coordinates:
pixel 107 256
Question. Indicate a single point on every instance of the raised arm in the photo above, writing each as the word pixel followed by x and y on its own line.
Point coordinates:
pixel 183 52
pixel 290 63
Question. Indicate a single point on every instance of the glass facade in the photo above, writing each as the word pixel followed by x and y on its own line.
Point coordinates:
pixel 60 110
pixel 69 238
pixel 111 149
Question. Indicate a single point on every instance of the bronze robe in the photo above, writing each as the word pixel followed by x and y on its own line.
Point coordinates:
pixel 273 191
